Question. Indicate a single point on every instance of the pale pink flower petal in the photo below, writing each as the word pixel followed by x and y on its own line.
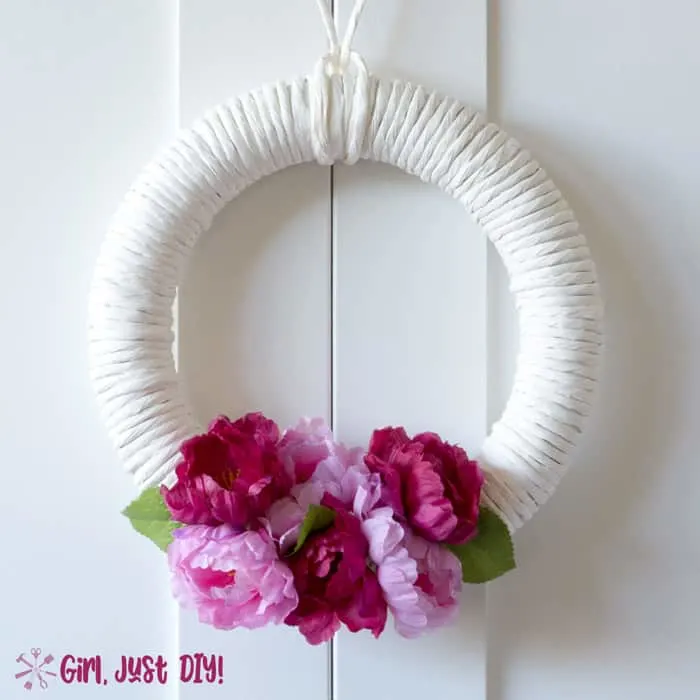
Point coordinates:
pixel 283 516
pixel 383 533
pixel 303 447
pixel 310 447
pixel 421 580
pixel 367 489
pixel 341 474
pixel 397 577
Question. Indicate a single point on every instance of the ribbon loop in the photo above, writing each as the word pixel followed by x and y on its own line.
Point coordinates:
pixel 341 50
pixel 339 94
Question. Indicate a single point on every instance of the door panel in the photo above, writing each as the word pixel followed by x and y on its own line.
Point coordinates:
pixel 410 323
pixel 254 311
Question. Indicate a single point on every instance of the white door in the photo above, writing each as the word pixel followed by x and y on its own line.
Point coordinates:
pixel 363 296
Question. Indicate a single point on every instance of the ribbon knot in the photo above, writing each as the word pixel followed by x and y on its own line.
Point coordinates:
pixel 339 93
pixel 337 48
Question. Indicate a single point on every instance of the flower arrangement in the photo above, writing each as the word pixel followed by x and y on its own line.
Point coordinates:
pixel 269 527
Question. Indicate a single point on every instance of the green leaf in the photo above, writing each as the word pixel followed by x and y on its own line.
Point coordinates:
pixel 316 518
pixel 160 533
pixel 490 554
pixel 150 516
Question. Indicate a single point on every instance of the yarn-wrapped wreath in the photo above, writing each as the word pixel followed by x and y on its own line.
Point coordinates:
pixel 341 113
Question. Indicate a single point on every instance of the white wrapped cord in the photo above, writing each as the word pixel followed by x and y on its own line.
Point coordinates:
pixel 341 113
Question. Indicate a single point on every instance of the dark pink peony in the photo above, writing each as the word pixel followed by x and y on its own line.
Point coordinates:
pixel 431 484
pixel 231 474
pixel 334 582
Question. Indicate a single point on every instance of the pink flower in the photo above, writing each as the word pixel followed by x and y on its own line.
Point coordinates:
pixel 310 445
pixel 339 472
pixel 421 580
pixel 231 474
pixel 354 487
pixel 305 446
pixel 231 579
pixel 430 483
pixel 334 582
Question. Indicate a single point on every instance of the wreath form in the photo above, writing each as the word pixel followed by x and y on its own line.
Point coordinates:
pixel 342 113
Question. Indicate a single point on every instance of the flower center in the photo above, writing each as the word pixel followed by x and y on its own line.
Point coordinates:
pixel 214 578
pixel 228 476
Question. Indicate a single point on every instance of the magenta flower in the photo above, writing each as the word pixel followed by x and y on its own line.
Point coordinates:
pixel 431 484
pixel 231 579
pixel 231 474
pixel 421 580
pixel 334 583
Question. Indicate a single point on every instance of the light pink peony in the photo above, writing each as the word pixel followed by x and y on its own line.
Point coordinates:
pixel 340 472
pixel 231 579
pixel 421 580
pixel 309 444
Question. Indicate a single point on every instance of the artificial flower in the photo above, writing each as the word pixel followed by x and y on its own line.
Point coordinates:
pixel 334 583
pixel 308 444
pixel 231 474
pixel 321 466
pixel 420 580
pixel 353 486
pixel 430 483
pixel 231 579
pixel 296 528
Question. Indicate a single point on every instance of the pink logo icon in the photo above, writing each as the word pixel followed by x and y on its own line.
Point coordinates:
pixel 37 671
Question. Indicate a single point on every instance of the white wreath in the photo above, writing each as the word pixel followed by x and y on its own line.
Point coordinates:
pixel 341 113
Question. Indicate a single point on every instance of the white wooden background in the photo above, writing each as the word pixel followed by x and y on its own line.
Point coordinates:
pixel 368 298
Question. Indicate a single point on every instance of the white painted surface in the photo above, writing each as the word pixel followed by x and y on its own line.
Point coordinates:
pixel 255 311
pixel 86 94
pixel 410 321
pixel 605 603
pixel 601 92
